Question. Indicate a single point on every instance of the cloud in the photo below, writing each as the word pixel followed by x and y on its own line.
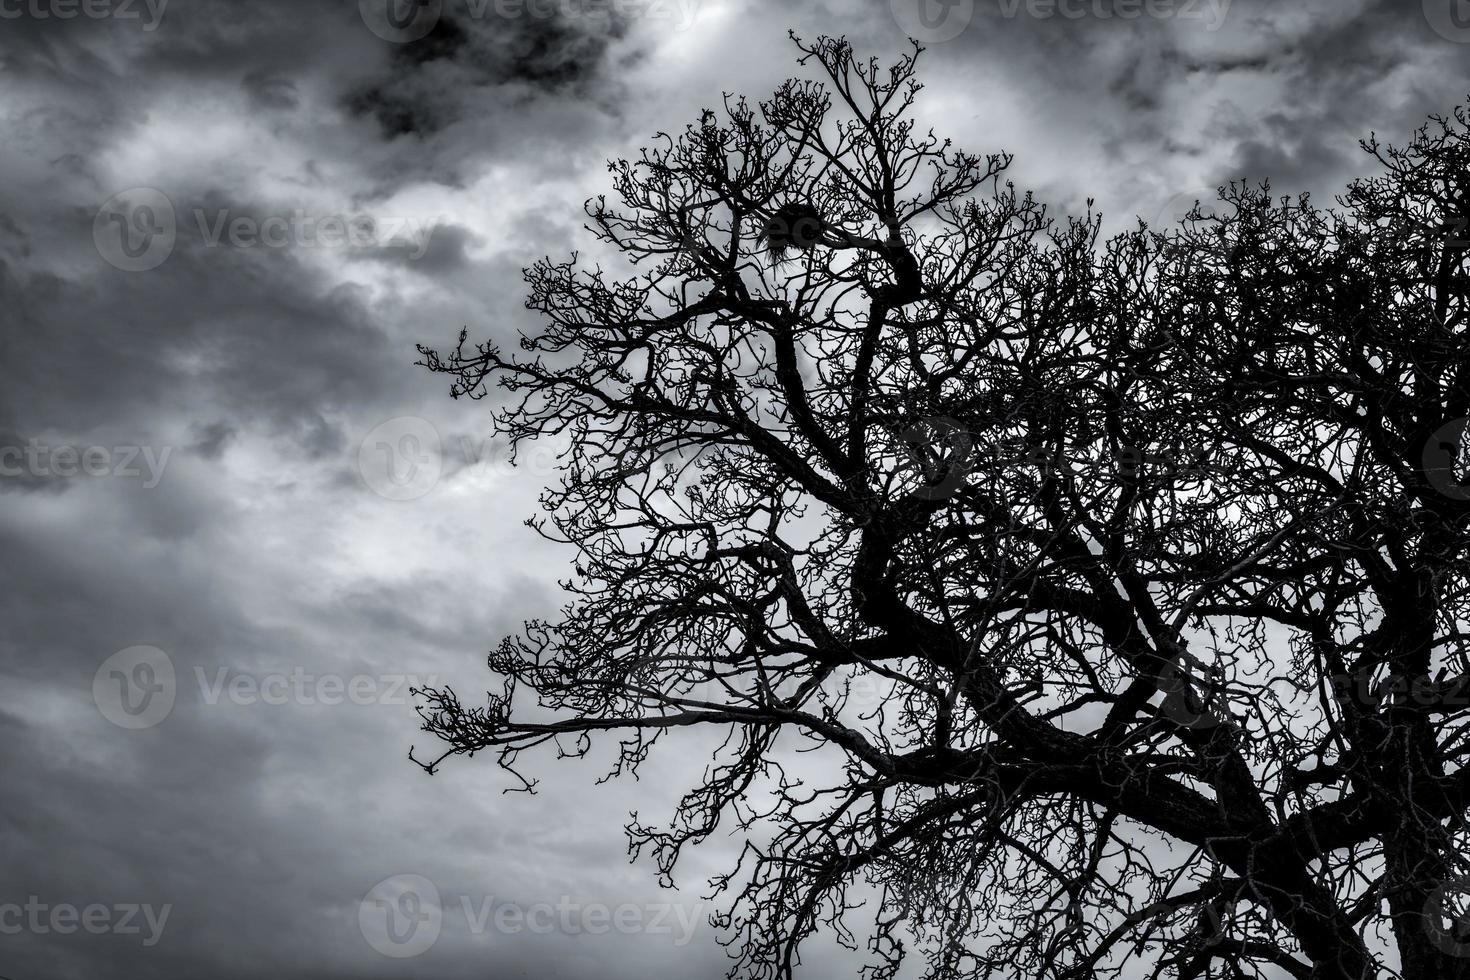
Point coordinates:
pixel 260 363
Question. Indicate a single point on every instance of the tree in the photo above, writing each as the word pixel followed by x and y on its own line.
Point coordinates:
pixel 1116 586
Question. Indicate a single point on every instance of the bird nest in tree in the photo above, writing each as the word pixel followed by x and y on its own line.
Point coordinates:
pixel 794 226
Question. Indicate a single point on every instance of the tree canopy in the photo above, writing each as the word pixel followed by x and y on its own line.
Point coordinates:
pixel 1117 584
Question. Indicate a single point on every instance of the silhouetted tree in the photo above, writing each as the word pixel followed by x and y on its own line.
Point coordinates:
pixel 1117 586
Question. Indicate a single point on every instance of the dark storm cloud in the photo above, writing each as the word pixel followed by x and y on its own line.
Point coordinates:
pixel 15 475
pixel 432 249
pixel 216 813
pixel 1334 74
pixel 260 368
pixel 259 356
pixel 1148 107
pixel 1353 70
pixel 211 439
pixel 270 91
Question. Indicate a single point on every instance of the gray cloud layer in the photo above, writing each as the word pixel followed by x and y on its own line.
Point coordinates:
pixel 264 349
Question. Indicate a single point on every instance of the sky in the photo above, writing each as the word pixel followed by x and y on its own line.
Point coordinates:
pixel 237 522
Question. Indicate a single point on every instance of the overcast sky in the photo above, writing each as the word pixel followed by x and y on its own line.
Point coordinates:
pixel 213 608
